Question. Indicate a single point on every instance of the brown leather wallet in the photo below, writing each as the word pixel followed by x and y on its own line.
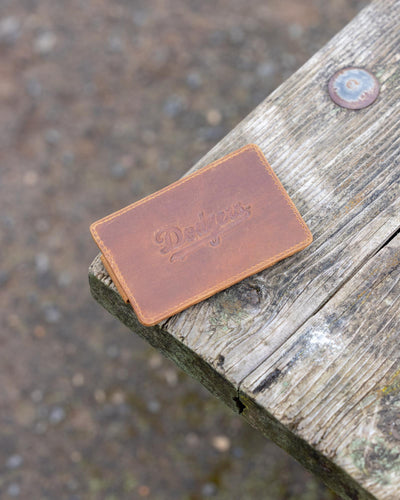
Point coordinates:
pixel 200 235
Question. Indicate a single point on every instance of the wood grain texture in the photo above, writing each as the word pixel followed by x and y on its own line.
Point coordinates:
pixel 336 382
pixel 310 344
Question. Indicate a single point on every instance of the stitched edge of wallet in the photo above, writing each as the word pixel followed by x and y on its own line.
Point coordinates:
pixel 152 320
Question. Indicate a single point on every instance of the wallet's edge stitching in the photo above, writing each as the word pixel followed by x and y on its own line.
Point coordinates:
pixel 278 183
pixel 233 279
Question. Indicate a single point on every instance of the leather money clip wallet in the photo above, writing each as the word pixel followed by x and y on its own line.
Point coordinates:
pixel 200 235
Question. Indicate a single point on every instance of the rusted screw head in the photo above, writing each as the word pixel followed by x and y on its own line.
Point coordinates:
pixel 353 88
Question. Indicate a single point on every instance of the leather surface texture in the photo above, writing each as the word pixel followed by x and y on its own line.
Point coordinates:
pixel 200 235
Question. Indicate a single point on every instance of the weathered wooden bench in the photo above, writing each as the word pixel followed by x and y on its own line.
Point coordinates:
pixel 308 351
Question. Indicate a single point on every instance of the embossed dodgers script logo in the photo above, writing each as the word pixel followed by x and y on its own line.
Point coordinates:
pixel 207 230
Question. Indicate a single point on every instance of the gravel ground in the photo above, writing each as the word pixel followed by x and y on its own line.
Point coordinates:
pixel 103 103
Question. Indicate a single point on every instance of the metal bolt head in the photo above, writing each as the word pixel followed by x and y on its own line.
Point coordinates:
pixel 353 88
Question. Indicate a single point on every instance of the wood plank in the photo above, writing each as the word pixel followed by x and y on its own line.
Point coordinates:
pixel 336 382
pixel 341 169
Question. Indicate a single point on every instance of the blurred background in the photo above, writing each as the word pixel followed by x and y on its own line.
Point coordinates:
pixel 103 103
